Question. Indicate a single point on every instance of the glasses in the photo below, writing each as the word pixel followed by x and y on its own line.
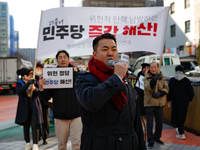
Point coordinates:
pixel 29 74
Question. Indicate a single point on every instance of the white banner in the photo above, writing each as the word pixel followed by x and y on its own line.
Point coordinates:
pixel 58 78
pixel 74 28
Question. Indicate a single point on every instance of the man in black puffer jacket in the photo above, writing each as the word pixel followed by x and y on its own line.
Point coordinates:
pixel 65 108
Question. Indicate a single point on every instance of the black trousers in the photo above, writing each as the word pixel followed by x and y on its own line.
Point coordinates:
pixel 35 128
pixel 45 125
pixel 181 129
pixel 150 113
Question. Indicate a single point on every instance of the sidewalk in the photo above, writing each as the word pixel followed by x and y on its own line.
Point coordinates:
pixel 11 138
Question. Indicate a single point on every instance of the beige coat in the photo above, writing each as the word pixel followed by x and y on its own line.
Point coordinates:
pixel 149 101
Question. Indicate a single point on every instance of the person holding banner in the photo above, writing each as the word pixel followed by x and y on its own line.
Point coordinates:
pixel 154 102
pixel 29 109
pixel 65 108
pixel 45 106
pixel 107 101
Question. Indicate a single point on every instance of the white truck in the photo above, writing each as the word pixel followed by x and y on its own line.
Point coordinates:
pixel 8 75
pixel 169 61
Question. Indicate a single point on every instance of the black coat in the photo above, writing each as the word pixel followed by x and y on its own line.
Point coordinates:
pixel 140 96
pixel 104 126
pixel 23 106
pixel 181 93
pixel 65 105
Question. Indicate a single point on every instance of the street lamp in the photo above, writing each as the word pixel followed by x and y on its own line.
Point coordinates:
pixel 187 43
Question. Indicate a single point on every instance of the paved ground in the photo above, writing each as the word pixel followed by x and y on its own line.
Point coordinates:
pixel 11 135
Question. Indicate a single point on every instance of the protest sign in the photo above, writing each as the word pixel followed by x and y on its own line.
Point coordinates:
pixel 74 28
pixel 140 83
pixel 58 78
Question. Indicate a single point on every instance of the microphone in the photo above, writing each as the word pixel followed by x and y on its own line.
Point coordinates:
pixel 111 63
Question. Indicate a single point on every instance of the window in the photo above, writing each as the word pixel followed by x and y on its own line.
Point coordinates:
pixel 4 48
pixel 172 8
pixel 3 20
pixel 3 42
pixel 3 55
pixel 3 34
pixel 187 4
pixel 3 28
pixel 3 14
pixel 167 61
pixel 187 26
pixel 3 6
pixel 138 65
pixel 173 30
pixel 181 47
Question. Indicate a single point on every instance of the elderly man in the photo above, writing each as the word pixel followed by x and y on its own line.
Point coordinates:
pixel 154 102
pixel 107 101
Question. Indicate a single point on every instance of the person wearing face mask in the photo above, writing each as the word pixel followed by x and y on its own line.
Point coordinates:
pixel 29 110
pixel 181 94
pixel 45 106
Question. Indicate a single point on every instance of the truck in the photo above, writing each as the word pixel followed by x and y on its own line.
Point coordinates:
pixel 8 75
pixel 169 62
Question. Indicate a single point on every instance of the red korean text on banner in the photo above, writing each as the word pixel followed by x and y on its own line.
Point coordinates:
pixel 141 29
pixel 97 30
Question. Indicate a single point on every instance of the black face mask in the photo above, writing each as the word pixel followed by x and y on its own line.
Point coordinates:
pixel 37 78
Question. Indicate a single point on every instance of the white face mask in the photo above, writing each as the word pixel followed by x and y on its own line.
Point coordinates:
pixel 38 73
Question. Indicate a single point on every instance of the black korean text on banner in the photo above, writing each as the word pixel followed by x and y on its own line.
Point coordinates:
pixel 132 27
pixel 58 78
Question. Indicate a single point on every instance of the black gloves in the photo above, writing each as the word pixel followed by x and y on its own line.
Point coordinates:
pixel 157 94
pixel 31 81
pixel 157 76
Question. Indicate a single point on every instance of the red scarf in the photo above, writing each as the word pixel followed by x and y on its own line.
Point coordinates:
pixel 100 70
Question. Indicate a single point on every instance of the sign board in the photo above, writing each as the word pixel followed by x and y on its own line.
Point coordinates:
pixel 135 29
pixel 58 78
pixel 48 61
pixel 140 83
pixel 26 63
pixel 125 58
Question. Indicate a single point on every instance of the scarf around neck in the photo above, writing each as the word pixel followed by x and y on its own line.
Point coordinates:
pixel 179 75
pixel 101 71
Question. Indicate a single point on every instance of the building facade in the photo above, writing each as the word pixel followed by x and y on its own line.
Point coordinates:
pixel 28 54
pixel 12 36
pixel 153 3
pixel 183 28
pixel 113 3
pixel 16 41
pixel 4 30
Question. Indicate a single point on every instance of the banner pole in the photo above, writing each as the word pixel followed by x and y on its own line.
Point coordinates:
pixel 36 52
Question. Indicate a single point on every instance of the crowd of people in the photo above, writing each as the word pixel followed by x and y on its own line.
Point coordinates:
pixel 102 110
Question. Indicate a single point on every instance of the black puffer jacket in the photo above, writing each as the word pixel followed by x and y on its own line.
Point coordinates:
pixel 65 105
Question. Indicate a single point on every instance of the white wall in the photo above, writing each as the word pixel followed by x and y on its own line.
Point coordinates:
pixel 179 17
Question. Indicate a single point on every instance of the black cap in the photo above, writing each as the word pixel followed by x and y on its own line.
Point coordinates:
pixel 179 68
pixel 144 65
pixel 23 71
